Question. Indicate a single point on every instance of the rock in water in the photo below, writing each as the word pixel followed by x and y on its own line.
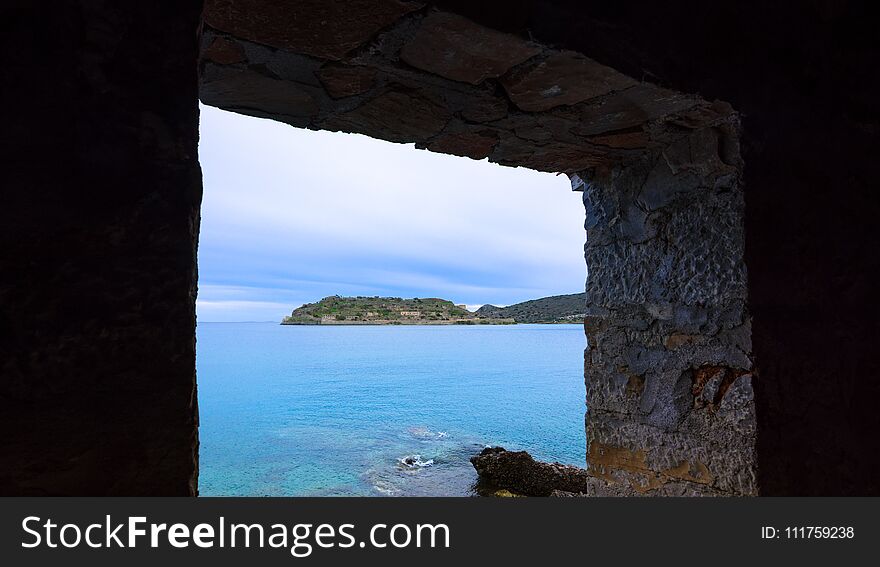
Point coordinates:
pixel 518 473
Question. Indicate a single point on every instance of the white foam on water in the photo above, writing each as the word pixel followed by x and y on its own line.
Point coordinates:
pixel 414 462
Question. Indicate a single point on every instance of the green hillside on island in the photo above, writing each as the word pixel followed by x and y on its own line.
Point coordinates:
pixel 336 310
pixel 556 309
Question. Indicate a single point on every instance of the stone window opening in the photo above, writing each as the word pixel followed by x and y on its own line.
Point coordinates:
pixel 660 173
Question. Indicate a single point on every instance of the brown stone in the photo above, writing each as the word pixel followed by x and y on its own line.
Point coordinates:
pixel 676 340
pixel 224 51
pixel 341 81
pixel 624 110
pixel 565 78
pixel 476 145
pixel 485 109
pixel 456 48
pixel 249 92
pixel 415 117
pixel 629 140
pixel 555 157
pixel 692 472
pixel 724 377
pixel 605 455
pixel 635 385
pixel 543 128
pixel 319 28
pixel 478 104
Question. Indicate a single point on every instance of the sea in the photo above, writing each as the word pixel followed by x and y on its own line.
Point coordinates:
pixel 381 410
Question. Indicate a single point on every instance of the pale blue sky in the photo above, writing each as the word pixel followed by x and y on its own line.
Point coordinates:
pixel 290 216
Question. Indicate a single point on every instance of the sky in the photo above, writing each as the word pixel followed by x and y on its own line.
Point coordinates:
pixel 290 216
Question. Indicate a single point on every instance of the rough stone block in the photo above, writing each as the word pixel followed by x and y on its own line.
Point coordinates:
pixel 456 48
pixel 564 78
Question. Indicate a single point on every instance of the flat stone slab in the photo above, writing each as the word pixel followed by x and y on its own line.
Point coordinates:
pixel 565 78
pixel 456 48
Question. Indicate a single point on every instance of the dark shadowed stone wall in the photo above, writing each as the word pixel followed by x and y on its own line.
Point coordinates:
pixel 98 223
pixel 101 189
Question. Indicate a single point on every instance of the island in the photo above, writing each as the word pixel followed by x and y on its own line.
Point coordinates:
pixel 569 308
pixel 336 310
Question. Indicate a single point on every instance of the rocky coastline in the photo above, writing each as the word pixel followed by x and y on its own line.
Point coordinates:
pixel 504 473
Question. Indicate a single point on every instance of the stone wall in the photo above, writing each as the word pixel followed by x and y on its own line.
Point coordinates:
pixel 406 72
pixel 101 189
pixel 668 367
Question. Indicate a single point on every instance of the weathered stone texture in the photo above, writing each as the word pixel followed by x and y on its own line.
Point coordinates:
pixel 476 145
pixel 564 78
pixel 342 81
pixel 417 118
pixel 437 79
pixel 458 49
pixel 250 93
pixel 668 367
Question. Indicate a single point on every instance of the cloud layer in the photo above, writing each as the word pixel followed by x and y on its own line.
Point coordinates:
pixel 290 216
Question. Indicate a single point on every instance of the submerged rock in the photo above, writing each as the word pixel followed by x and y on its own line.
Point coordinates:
pixel 415 462
pixel 516 472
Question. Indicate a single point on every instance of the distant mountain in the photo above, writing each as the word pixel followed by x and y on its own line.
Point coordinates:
pixel 556 309
pixel 336 310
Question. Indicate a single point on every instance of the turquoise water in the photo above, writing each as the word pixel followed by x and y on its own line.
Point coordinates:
pixel 313 411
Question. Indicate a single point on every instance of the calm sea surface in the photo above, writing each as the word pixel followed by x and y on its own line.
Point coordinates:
pixel 381 410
